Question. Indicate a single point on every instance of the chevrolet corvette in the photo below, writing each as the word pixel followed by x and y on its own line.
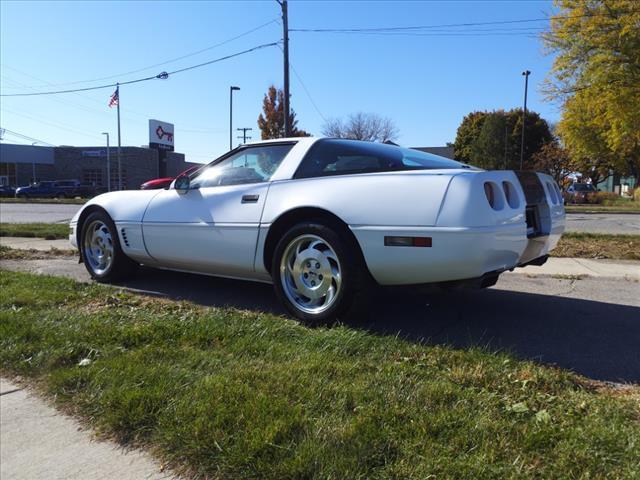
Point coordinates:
pixel 326 220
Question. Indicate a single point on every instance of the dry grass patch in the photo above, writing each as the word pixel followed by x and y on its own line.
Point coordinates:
pixel 595 245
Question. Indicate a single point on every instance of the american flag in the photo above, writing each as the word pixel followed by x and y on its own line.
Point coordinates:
pixel 115 98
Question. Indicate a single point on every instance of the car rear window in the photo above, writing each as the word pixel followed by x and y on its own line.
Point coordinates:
pixel 332 156
pixel 584 187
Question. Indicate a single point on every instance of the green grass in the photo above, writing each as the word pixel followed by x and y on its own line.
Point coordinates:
pixel 224 393
pixel 49 231
pixel 598 245
pixel 73 201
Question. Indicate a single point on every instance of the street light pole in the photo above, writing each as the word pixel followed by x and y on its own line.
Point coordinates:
pixel 33 165
pixel 231 89
pixel 526 74
pixel 108 163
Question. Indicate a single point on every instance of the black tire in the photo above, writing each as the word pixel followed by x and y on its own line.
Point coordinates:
pixel 120 266
pixel 352 299
pixel 61 196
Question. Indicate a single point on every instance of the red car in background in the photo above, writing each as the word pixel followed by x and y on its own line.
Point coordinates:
pixel 159 183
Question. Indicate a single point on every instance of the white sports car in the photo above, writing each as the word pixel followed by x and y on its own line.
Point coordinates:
pixel 326 219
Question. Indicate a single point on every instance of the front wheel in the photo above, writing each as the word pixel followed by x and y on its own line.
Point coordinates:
pixel 101 252
pixel 319 275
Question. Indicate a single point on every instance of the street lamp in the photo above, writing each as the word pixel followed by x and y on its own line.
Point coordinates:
pixel 33 165
pixel 108 163
pixel 526 74
pixel 231 89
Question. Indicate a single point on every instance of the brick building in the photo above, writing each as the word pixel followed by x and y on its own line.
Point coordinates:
pixel 19 164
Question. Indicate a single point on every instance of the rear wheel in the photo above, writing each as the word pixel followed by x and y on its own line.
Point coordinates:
pixel 101 252
pixel 318 275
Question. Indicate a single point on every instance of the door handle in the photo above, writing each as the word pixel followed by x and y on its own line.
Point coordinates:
pixel 250 198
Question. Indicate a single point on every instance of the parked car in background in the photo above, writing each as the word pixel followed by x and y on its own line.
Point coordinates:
pixel 36 190
pixel 73 188
pixel 165 182
pixel 579 193
pixel 7 191
pixel 157 183
pixel 56 189
pixel 325 220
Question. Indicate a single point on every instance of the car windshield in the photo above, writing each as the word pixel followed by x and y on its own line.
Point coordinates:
pixel 248 165
pixel 584 187
pixel 331 156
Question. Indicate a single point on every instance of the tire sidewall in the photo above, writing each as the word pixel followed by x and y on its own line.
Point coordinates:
pixel 348 272
pixel 115 270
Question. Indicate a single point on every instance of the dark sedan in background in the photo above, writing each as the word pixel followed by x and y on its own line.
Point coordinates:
pixel 56 189
pixel 579 193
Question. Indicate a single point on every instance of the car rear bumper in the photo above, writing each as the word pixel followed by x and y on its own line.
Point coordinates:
pixel 454 254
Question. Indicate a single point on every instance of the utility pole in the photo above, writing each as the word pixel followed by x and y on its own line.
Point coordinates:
pixel 244 135
pixel 285 50
pixel 526 74
pixel 231 90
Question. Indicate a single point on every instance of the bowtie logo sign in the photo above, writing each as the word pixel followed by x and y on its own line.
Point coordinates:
pixel 161 134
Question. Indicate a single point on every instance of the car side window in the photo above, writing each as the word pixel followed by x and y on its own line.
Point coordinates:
pixel 247 165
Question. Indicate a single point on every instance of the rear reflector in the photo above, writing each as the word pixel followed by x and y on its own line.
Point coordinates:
pixel 407 241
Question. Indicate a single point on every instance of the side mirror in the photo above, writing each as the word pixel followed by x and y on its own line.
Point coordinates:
pixel 182 183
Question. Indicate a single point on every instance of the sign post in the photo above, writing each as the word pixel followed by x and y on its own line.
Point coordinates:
pixel 161 139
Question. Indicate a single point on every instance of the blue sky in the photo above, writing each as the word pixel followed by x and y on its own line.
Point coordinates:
pixel 425 83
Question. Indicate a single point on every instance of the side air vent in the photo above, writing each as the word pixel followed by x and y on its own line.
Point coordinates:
pixel 124 237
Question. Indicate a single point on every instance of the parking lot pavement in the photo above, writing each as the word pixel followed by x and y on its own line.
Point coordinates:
pixel 37 212
pixel 620 223
pixel 589 325
pixel 38 442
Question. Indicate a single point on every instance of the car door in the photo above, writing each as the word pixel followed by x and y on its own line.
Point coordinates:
pixel 213 226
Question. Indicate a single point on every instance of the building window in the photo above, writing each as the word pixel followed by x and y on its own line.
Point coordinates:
pixel 114 178
pixel 92 176
pixel 8 174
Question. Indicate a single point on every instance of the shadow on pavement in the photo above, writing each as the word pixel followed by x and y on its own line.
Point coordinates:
pixel 595 339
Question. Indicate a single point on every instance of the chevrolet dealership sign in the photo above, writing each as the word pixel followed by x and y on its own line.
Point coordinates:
pixel 161 135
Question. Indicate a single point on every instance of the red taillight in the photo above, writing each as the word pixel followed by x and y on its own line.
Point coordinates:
pixel 421 241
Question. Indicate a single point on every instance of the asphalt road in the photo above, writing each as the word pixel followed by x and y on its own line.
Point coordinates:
pixel 627 223
pixel 590 326
pixel 37 212
pixel 62 213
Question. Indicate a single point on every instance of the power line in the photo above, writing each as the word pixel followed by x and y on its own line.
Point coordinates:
pixel 26 137
pixel 295 72
pixel 165 62
pixel 51 124
pixel 446 25
pixel 162 75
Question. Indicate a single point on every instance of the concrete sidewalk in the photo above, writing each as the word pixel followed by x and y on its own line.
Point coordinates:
pixel 628 269
pixel 27 243
pixel 38 442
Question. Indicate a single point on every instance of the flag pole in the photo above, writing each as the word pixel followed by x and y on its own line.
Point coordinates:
pixel 119 167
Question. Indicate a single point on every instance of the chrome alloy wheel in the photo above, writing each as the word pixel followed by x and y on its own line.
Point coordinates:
pixel 98 247
pixel 310 274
